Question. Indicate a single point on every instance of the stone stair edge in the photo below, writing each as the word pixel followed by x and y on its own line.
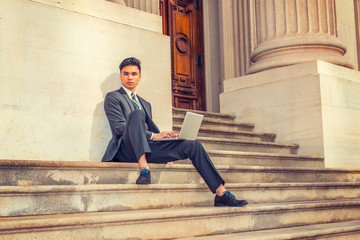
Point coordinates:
pixel 229 122
pixel 43 189
pixel 224 115
pixel 136 216
pixel 4 164
pixel 14 163
pixel 299 232
pixel 208 129
pixel 240 141
pixel 264 155
pixel 39 200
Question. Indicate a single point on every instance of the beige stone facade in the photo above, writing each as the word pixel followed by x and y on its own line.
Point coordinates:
pixel 58 59
pixel 289 66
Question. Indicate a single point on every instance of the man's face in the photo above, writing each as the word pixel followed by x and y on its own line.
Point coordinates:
pixel 130 77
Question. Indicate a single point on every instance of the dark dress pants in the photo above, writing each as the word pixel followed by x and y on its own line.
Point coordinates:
pixel 134 144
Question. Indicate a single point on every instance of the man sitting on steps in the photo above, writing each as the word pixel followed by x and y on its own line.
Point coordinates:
pixel 133 130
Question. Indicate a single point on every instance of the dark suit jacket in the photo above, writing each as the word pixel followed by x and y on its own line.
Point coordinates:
pixel 117 107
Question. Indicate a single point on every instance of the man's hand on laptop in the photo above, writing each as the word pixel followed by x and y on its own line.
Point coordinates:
pixel 166 134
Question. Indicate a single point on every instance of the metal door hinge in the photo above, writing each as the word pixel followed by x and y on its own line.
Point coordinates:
pixel 196 4
pixel 198 60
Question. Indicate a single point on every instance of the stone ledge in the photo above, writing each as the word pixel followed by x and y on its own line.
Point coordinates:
pixel 205 129
pixel 206 114
pixel 240 158
pixel 265 155
pixel 48 189
pixel 329 230
pixel 218 122
pixel 200 221
pixel 109 11
pixel 14 173
pixel 212 143
pixel 35 164
pixel 234 141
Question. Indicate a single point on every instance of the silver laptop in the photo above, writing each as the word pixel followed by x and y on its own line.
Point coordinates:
pixel 189 129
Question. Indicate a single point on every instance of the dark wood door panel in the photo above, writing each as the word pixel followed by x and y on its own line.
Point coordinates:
pixel 182 21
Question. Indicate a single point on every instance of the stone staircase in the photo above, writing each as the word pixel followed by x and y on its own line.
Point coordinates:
pixel 290 196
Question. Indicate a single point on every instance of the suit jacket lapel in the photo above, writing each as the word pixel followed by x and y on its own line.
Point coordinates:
pixel 145 106
pixel 128 100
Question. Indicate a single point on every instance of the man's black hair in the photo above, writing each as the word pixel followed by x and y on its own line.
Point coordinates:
pixel 130 61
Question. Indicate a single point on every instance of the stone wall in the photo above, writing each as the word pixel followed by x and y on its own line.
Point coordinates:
pixel 314 104
pixel 58 59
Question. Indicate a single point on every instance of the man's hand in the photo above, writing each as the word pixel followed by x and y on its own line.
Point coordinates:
pixel 165 135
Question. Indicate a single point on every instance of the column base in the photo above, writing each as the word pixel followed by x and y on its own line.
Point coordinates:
pixel 314 104
pixel 279 53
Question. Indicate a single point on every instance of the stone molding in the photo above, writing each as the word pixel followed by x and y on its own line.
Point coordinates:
pixel 110 10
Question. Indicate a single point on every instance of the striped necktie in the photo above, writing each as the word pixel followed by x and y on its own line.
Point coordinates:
pixel 134 100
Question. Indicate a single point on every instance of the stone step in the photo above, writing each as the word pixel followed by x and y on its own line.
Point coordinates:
pixel 349 230
pixel 217 123
pixel 178 222
pixel 179 112
pixel 40 200
pixel 211 143
pixel 237 158
pixel 218 132
pixel 28 173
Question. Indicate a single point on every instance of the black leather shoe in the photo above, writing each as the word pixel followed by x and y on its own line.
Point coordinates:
pixel 228 200
pixel 144 177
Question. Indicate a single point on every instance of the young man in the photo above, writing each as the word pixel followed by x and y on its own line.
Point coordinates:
pixel 133 130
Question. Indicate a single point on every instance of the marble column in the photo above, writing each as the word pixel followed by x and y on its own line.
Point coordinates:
pixel 235 36
pixel 121 2
pixel 151 6
pixel 294 31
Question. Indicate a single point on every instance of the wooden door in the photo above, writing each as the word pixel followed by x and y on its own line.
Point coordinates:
pixel 182 21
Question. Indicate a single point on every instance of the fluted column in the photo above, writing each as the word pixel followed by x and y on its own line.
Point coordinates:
pixel 151 6
pixel 121 2
pixel 295 31
pixel 235 46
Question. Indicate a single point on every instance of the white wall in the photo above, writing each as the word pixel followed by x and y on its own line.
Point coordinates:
pixel 57 62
